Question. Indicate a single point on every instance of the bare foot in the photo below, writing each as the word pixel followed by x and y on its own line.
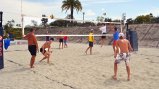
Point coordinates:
pixel 51 64
pixel 128 79
pixel 31 66
pixel 114 77
pixel 86 52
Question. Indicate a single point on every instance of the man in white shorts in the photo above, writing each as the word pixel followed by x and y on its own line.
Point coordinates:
pixel 122 55
pixel 104 31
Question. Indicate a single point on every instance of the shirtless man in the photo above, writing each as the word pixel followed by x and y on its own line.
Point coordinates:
pixel 123 55
pixel 45 50
pixel 32 46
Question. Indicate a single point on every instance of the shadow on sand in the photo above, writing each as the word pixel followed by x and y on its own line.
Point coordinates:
pixel 22 69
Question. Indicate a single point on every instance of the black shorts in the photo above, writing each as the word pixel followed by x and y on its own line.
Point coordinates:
pixel 32 49
pixel 60 40
pixel 103 37
pixel 41 50
pixel 90 44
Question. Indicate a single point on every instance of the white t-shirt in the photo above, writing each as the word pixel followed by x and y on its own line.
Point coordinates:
pixel 103 29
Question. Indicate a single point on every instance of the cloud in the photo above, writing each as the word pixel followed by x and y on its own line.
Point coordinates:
pixel 12 9
pixel 92 9
pixel 104 1
pixel 90 13
pixel 39 1
pixel 154 11
pixel 103 9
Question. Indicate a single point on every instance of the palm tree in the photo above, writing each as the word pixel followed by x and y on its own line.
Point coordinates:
pixel 71 4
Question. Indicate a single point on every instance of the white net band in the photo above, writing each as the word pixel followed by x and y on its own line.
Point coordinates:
pixel 76 35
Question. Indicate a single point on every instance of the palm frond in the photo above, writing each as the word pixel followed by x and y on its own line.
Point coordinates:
pixel 68 4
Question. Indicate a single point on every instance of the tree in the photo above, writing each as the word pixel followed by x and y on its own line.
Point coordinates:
pixel 155 20
pixel 18 25
pixel 71 4
pixel 116 20
pixel 130 21
pixel 10 23
pixel 139 19
pixel 87 24
pixel 67 23
pixel 143 19
pixel 108 20
pixel 151 15
pixel 68 17
pixel 59 23
pixel 35 23
pixel 100 19
pixel 44 20
pixel 147 19
pixel 8 27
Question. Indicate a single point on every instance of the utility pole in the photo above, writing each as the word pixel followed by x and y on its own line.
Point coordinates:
pixel 22 18
pixel 123 19
pixel 83 16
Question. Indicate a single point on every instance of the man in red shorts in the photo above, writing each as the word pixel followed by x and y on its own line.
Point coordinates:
pixel 115 38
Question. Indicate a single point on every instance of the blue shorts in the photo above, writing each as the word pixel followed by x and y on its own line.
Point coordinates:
pixel 65 41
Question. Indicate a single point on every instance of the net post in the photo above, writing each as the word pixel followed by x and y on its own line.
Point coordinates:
pixel 1 42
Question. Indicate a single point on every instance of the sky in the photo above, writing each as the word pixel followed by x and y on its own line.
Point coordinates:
pixel 92 8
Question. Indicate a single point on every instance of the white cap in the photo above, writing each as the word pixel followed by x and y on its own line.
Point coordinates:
pixel 91 29
pixel 121 34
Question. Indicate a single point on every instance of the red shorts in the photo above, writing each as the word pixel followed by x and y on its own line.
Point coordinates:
pixel 114 42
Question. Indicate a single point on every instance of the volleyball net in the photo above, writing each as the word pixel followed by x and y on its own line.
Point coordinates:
pixel 47 26
pixel 76 30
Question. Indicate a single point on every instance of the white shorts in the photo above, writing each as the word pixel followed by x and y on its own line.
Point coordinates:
pixel 122 57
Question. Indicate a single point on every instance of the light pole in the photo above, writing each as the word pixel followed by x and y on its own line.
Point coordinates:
pixel 83 16
pixel 123 21
pixel 22 17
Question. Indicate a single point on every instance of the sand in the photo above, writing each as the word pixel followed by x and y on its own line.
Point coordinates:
pixel 71 68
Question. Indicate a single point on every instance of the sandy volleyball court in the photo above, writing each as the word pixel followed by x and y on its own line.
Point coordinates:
pixel 70 68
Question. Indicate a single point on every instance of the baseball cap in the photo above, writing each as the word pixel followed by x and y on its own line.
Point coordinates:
pixel 121 35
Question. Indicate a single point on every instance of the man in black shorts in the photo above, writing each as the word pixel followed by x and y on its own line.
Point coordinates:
pixel 32 46
pixel 47 37
pixel 61 40
pixel 45 50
